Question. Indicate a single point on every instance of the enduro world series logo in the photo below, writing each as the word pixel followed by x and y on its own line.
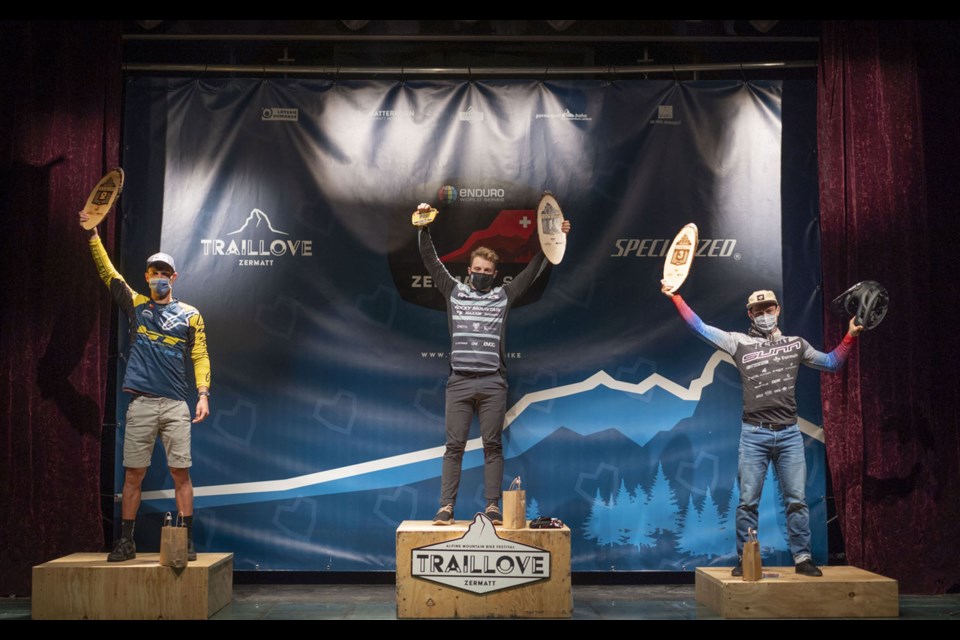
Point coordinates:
pixel 481 561
pixel 472 213
pixel 257 243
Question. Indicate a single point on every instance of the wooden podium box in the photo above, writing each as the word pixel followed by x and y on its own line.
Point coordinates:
pixel 419 597
pixel 842 592
pixel 84 586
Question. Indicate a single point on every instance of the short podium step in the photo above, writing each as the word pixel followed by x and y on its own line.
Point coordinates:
pixel 842 592
pixel 86 586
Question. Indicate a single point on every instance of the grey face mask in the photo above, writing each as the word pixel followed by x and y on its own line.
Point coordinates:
pixel 766 322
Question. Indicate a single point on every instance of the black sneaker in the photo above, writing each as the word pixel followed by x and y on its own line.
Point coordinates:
pixel 807 568
pixel 445 515
pixel 191 550
pixel 737 570
pixel 493 512
pixel 123 549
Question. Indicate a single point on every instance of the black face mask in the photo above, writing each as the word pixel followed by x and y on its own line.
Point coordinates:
pixel 481 281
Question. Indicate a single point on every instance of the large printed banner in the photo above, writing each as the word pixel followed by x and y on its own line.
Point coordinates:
pixel 286 204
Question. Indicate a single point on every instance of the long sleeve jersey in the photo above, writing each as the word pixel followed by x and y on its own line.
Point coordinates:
pixel 162 337
pixel 768 366
pixel 477 319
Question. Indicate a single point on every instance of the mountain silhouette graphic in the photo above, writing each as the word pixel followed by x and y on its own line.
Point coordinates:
pixel 511 234
pixel 259 219
pixel 478 529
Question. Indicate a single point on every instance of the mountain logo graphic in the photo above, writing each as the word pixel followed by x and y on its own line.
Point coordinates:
pixel 259 220
pixel 510 235
pixel 255 243
pixel 480 561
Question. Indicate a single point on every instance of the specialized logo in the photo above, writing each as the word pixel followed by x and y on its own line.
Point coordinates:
pixel 773 352
pixel 658 248
pixel 481 561
pixel 256 243
pixel 278 113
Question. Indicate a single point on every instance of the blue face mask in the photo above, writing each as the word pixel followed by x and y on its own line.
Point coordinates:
pixel 160 286
pixel 766 322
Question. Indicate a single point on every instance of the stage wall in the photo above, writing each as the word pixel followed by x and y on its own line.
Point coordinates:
pixel 287 203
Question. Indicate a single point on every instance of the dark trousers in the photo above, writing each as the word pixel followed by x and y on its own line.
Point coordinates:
pixel 485 396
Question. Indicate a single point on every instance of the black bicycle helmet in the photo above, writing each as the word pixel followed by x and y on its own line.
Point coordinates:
pixel 867 301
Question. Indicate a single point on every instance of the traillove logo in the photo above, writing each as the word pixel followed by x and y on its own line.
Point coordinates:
pixel 481 561
pixel 257 243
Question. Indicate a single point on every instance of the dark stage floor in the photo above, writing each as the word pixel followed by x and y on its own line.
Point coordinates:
pixel 591 602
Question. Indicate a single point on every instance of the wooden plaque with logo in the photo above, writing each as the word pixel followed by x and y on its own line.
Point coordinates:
pixel 553 240
pixel 676 266
pixel 102 198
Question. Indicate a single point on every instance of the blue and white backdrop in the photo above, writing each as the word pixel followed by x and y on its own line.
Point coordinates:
pixel 287 203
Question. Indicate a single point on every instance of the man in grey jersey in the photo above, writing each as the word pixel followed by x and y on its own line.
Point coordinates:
pixel 768 362
pixel 477 316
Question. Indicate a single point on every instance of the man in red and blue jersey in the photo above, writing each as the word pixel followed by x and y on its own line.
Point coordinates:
pixel 768 362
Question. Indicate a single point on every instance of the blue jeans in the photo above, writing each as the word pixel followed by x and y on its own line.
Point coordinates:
pixel 758 448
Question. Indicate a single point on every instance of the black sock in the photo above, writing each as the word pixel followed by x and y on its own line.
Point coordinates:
pixel 126 529
pixel 188 523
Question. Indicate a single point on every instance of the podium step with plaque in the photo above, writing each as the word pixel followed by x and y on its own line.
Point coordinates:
pixel 842 592
pixel 473 569
pixel 84 586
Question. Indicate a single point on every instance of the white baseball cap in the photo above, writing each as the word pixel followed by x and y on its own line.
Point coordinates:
pixel 165 258
pixel 764 296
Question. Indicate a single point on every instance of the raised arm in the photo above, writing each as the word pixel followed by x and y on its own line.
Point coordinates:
pixel 518 286
pixel 119 289
pixel 720 339
pixel 838 357
pixel 428 253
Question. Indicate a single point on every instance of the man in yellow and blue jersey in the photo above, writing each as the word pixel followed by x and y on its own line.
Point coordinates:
pixel 165 334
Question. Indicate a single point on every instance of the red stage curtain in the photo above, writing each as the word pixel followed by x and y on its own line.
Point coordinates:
pixel 890 417
pixel 60 103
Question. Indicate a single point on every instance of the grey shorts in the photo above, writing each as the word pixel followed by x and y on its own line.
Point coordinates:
pixel 148 418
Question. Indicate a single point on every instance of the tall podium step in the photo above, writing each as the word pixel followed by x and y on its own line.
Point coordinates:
pixel 472 569
pixel 842 592
pixel 84 586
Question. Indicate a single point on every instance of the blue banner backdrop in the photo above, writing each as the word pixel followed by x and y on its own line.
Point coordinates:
pixel 287 203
